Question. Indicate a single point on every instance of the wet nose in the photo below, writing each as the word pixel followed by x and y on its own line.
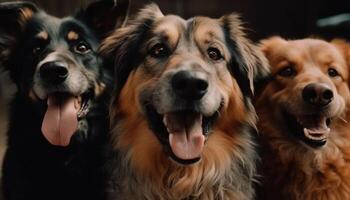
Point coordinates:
pixel 54 72
pixel 189 86
pixel 317 94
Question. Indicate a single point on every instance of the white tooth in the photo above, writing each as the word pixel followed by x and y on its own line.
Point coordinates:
pixel 49 103
pixel 165 121
pixel 306 132
pixel 76 103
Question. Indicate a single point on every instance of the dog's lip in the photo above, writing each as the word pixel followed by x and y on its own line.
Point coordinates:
pixel 312 129
pixel 81 103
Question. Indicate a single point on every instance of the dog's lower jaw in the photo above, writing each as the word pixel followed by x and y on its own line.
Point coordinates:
pixel 324 167
pixel 313 130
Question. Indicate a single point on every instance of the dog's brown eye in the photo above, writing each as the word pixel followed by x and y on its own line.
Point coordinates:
pixel 37 50
pixel 214 54
pixel 332 72
pixel 159 50
pixel 287 72
pixel 82 48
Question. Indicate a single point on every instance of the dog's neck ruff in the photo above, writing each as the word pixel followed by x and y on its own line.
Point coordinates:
pixel 301 172
pixel 151 174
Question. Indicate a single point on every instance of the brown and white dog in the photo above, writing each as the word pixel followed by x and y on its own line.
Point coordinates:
pixel 302 121
pixel 182 112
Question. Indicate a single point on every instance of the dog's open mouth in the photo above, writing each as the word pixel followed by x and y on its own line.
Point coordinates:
pixel 61 118
pixel 183 133
pixel 313 129
pixel 186 138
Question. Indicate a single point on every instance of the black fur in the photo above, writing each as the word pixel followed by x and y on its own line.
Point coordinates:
pixel 128 60
pixel 33 168
pixel 237 66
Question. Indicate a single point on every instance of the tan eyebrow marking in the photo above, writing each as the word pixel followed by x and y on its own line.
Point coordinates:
pixel 73 35
pixel 43 35
pixel 26 15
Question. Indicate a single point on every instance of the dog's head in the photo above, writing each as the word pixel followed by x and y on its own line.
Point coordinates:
pixel 308 90
pixel 54 61
pixel 184 77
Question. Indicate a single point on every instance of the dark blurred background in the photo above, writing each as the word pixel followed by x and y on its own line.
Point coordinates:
pixel 288 18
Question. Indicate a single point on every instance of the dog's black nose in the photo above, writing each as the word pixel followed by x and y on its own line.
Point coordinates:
pixel 317 94
pixel 54 72
pixel 189 86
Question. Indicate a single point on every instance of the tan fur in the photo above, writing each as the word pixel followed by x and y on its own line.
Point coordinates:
pixel 72 36
pixel 43 35
pixel 25 15
pixel 226 170
pixel 291 170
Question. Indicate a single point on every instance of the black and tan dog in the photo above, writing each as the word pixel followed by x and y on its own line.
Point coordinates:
pixel 58 120
pixel 182 111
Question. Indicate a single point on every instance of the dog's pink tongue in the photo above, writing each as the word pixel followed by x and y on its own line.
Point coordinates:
pixel 185 135
pixel 60 121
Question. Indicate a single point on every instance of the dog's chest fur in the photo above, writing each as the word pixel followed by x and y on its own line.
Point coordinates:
pixel 225 179
pixel 300 174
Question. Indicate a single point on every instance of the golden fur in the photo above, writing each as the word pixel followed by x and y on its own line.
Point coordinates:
pixel 144 169
pixel 292 170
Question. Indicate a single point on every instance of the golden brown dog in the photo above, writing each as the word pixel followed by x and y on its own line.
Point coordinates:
pixel 302 122
pixel 182 112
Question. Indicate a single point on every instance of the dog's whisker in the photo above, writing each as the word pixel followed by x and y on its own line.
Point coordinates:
pixel 344 120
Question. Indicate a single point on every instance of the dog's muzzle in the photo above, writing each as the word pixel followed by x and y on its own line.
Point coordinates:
pixel 64 107
pixel 313 128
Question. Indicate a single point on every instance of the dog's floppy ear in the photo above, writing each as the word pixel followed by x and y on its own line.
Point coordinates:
pixel 104 16
pixel 344 48
pixel 248 64
pixel 121 48
pixel 14 17
pixel 266 45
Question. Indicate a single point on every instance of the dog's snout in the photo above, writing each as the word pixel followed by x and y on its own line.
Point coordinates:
pixel 317 94
pixel 54 72
pixel 189 86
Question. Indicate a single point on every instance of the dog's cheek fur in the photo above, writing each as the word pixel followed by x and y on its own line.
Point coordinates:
pixel 121 48
pixel 140 143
